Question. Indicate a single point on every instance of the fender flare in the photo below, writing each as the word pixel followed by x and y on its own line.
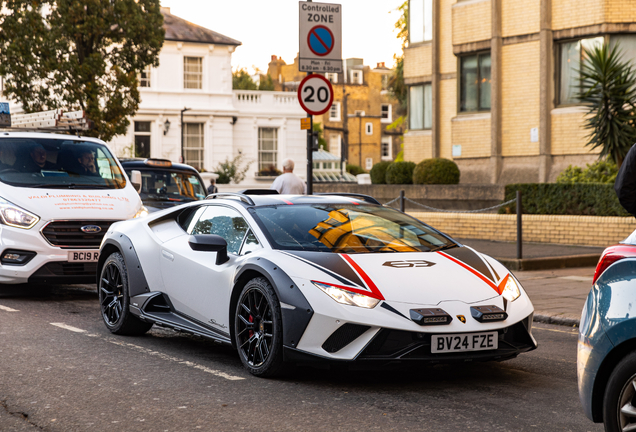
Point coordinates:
pixel 137 282
pixel 296 312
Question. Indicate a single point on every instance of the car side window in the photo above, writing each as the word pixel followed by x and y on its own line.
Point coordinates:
pixel 250 244
pixel 222 221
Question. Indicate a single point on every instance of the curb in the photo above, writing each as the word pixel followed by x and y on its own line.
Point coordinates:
pixel 547 263
pixel 557 319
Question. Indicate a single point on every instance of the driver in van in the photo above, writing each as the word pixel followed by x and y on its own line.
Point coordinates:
pixel 86 161
pixel 3 158
pixel 36 161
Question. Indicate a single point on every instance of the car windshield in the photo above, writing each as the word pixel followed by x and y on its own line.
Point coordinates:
pixel 347 228
pixel 166 185
pixel 58 163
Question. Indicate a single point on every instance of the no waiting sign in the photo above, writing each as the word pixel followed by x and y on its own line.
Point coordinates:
pixel 320 37
pixel 315 94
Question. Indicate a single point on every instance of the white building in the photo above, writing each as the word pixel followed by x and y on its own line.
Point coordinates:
pixel 220 123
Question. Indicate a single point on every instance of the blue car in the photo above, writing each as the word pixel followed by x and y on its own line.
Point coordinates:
pixel 606 358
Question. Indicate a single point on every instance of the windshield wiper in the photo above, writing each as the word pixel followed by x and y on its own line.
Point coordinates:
pixel 444 247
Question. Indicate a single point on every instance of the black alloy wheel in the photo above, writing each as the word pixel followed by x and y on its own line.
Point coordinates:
pixel 258 328
pixel 114 298
pixel 619 401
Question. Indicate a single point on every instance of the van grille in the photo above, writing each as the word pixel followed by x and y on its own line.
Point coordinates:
pixel 69 234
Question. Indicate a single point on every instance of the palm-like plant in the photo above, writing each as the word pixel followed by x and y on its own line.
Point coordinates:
pixel 608 89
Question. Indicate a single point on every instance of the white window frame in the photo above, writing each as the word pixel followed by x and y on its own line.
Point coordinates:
pixel 420 23
pixel 368 128
pixel 369 163
pixel 335 144
pixel 389 117
pixel 265 165
pixel 335 111
pixel 145 77
pixel 192 80
pixel 199 139
pixel 147 133
pixel 357 77
pixel 386 144
pixel 332 77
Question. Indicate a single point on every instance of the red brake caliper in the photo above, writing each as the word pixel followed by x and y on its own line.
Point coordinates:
pixel 251 332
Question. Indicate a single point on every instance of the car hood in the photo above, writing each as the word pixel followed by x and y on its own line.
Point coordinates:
pixel 425 278
pixel 74 204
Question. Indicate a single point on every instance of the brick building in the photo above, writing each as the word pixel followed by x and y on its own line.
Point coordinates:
pixel 355 127
pixel 492 82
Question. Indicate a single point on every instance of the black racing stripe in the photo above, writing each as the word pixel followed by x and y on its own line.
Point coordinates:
pixel 470 258
pixel 388 307
pixel 332 264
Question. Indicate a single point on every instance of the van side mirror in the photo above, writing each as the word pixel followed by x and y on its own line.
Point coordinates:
pixel 135 179
pixel 210 243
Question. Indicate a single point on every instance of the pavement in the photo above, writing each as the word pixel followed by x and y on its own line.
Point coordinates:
pixel 558 292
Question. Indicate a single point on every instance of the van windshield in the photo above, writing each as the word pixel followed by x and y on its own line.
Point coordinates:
pixel 58 163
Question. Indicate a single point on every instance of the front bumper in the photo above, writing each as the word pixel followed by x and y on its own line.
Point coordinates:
pixel 389 346
pixel 49 265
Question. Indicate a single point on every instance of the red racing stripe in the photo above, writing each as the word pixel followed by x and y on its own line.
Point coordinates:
pixel 472 270
pixel 375 292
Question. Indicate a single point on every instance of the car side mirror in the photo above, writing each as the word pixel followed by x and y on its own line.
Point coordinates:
pixel 210 243
pixel 135 179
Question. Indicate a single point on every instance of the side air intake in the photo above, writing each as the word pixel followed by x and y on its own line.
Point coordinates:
pixel 342 337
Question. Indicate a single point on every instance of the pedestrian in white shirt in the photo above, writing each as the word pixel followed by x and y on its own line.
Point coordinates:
pixel 288 182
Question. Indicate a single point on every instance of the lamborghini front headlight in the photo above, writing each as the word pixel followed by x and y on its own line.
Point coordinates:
pixel 347 297
pixel 511 291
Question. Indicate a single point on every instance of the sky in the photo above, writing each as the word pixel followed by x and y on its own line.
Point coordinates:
pixel 269 28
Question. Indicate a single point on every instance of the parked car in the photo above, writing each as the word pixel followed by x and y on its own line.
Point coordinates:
pixel 606 360
pixel 59 195
pixel 165 184
pixel 295 278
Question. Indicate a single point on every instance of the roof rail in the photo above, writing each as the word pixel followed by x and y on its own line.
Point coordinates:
pixel 240 196
pixel 366 198
pixel 259 192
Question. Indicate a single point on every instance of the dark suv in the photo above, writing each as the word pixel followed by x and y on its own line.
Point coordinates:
pixel 165 184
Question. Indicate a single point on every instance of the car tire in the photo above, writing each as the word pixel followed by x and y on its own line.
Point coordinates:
pixel 258 329
pixel 114 299
pixel 620 395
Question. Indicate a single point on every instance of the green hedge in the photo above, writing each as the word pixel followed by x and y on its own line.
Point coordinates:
pixel 400 173
pixel 378 172
pixel 436 171
pixel 590 199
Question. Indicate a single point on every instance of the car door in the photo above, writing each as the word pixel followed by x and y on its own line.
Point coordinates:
pixel 197 286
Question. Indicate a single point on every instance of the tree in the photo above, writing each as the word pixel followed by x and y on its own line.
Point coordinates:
pixel 79 54
pixel 608 89
pixel 322 143
pixel 241 80
pixel 266 84
pixel 396 82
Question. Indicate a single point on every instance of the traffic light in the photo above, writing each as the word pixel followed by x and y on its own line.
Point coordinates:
pixel 314 142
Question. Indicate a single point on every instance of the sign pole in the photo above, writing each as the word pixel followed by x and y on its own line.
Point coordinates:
pixel 310 156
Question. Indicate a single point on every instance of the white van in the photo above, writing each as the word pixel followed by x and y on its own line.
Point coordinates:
pixel 58 196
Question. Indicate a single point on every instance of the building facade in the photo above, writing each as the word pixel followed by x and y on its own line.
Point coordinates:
pixel 492 83
pixel 193 83
pixel 355 127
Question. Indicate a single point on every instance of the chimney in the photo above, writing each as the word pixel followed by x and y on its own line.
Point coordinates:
pixel 165 9
pixel 380 65
pixel 274 58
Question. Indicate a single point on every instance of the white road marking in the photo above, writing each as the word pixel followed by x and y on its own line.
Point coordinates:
pixel 68 327
pixel 8 309
pixel 578 278
pixel 153 353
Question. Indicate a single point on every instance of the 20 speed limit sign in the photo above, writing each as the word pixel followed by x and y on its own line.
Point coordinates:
pixel 315 94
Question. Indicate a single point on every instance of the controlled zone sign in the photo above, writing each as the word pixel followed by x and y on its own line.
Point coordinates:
pixel 315 94
pixel 320 37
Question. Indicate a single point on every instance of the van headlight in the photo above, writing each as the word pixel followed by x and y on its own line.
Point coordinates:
pixel 12 215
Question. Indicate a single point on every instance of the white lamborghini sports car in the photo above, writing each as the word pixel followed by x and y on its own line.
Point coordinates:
pixel 293 278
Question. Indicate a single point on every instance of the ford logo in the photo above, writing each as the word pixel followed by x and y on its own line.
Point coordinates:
pixel 91 229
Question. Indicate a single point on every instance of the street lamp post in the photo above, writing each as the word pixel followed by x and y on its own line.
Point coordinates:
pixel 182 111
